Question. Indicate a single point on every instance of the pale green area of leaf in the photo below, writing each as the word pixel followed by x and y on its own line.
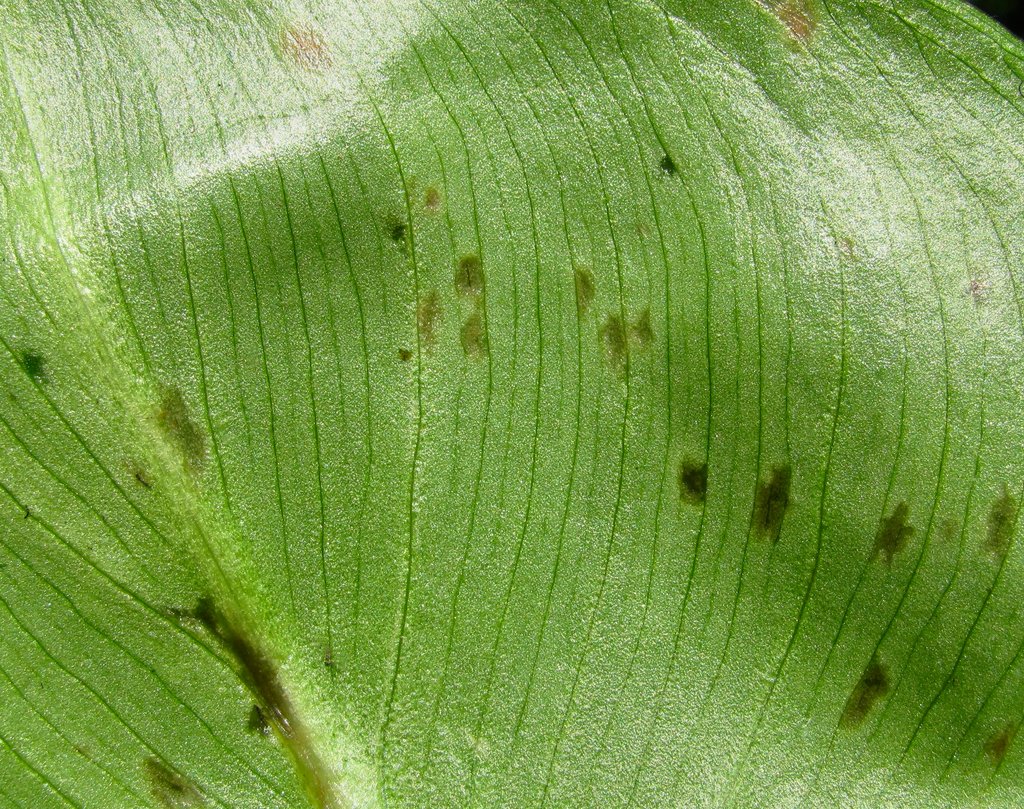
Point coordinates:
pixel 361 359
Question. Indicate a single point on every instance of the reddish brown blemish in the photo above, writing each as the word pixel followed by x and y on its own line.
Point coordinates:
pixel 432 199
pixel 796 15
pixel 306 47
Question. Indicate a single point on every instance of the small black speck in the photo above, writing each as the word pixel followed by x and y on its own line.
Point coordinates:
pixel 398 232
pixel 668 165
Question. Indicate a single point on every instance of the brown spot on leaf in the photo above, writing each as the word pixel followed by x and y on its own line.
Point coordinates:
pixel 585 289
pixel 893 533
pixel 998 744
pixel 329 657
pixel 398 232
pixel 432 199
pixel 641 331
pixel 404 354
pixel 771 502
pixel 1002 520
pixel 693 481
pixel 306 47
pixel 872 686
pixel 474 339
pixel 180 430
pixel 428 313
pixel 797 16
pixel 171 789
pixel 613 336
pixel 978 289
pixel 469 276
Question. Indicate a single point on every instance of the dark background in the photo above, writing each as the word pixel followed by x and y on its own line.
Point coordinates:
pixel 1009 12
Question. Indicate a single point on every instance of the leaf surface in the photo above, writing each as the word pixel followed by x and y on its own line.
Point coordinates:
pixel 467 403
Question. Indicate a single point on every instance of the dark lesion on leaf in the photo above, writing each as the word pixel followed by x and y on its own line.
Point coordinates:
pixel 613 337
pixel 142 478
pixel 894 532
pixel 771 502
pixel 1002 521
pixel 170 788
pixel 585 289
pixel 693 481
pixel 668 166
pixel 870 689
pixel 404 354
pixel 396 229
pixel 432 199
pixel 179 428
pixel 641 331
pixel 257 722
pixel 428 314
pixel 473 336
pixel 469 276
pixel 260 675
pixel 34 365
pixel 998 744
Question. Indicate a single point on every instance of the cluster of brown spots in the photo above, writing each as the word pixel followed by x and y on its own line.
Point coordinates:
pixel 473 335
pixel 999 743
pixel 771 502
pixel 693 481
pixel 617 336
pixel 893 533
pixel 171 789
pixel 1002 520
pixel 471 283
pixel 469 276
pixel 179 428
pixel 585 289
pixel 432 199
pixel 306 47
pixel 872 686
pixel 428 313
pixel 33 365
pixel 257 722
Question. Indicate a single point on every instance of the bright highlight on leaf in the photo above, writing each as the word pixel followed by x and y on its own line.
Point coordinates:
pixel 547 403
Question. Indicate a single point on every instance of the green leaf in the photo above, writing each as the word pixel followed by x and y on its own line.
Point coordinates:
pixel 548 403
